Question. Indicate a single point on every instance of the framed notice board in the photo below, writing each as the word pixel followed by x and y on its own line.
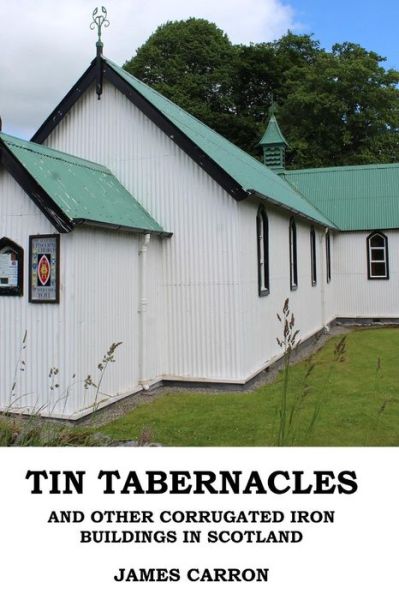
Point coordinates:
pixel 44 268
pixel 11 268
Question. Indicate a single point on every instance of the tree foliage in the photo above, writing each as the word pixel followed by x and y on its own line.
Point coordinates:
pixel 334 108
pixel 190 63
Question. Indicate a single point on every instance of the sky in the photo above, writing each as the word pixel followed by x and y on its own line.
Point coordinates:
pixel 46 45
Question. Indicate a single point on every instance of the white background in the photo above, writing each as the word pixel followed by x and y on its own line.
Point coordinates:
pixel 356 557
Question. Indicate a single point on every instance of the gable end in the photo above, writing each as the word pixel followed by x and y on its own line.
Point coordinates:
pixel 227 182
pixel 66 104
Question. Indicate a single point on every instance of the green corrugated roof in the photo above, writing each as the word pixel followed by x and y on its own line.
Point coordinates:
pixel 250 173
pixel 272 134
pixel 354 198
pixel 83 190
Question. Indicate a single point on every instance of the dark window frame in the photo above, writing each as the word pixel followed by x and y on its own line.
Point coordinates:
pixel 293 255
pixel 371 261
pixel 17 290
pixel 262 244
pixel 313 257
pixel 328 257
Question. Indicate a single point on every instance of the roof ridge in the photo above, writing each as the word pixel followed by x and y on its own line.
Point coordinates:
pixel 298 191
pixel 342 168
pixel 182 110
pixel 249 161
pixel 49 153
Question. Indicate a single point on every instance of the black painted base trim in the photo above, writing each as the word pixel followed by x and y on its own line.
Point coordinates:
pixel 368 321
pixel 232 387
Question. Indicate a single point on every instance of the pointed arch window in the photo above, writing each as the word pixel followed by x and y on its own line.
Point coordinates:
pixel 377 255
pixel 293 256
pixel 11 268
pixel 262 231
pixel 313 264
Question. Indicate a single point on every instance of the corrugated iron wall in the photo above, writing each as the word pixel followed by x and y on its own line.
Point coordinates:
pixel 98 306
pixel 198 314
pixel 204 319
pixel 356 295
pixel 260 326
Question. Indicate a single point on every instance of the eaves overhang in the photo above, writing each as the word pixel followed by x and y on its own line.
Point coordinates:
pixel 113 227
pixel 325 223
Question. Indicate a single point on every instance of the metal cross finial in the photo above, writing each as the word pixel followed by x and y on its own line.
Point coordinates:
pixel 273 106
pixel 99 20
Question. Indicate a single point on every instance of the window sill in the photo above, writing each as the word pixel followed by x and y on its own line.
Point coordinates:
pixel 263 293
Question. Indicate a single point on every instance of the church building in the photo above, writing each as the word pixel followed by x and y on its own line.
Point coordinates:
pixel 139 247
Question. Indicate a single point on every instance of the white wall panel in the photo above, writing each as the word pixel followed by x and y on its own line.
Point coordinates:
pixel 357 296
pixel 204 319
pixel 260 326
pixel 197 299
pixel 98 306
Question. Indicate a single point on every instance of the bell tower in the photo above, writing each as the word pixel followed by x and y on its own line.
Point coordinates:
pixel 274 144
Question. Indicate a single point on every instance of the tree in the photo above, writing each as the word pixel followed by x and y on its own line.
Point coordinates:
pixel 334 108
pixel 342 109
pixel 190 62
pixel 262 73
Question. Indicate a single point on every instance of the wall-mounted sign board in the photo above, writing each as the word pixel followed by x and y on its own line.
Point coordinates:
pixel 44 268
pixel 11 268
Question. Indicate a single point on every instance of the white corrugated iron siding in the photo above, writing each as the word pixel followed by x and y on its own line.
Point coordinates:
pixel 204 319
pixel 98 306
pixel 211 323
pixel 260 326
pixel 356 295
pixel 198 315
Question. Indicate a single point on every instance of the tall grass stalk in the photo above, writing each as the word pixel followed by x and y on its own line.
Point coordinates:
pixel 289 423
pixel 288 342
pixel 19 367
pixel 108 358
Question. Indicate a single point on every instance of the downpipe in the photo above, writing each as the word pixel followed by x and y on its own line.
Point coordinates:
pixel 143 306
pixel 323 255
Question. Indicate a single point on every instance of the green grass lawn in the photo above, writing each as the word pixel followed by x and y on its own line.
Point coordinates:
pixel 356 401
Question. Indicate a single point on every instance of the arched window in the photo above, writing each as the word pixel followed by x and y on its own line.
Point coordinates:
pixel 313 266
pixel 377 255
pixel 328 257
pixel 11 268
pixel 262 231
pixel 293 256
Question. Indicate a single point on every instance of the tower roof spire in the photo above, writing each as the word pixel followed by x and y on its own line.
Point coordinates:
pixel 273 133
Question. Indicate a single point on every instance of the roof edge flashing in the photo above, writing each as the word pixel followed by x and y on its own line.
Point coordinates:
pixel 288 209
pixel 115 227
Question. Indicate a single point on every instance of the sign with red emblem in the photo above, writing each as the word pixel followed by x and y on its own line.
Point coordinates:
pixel 44 268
